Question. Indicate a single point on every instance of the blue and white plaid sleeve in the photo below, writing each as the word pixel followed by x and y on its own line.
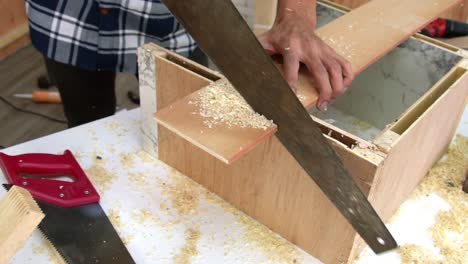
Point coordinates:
pixel 103 34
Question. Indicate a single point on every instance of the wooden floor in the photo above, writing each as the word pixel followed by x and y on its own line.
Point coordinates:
pixel 18 74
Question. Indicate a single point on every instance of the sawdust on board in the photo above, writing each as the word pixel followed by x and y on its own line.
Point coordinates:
pixel 114 217
pixel 143 215
pixel 145 157
pixel 127 160
pixel 220 103
pixel 185 195
pixel 138 179
pixel 49 249
pixel 183 192
pixel 189 250
pixel 450 231
pixel 414 254
pixel 116 128
pixel 100 177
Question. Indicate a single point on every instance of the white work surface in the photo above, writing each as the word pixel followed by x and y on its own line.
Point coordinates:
pixel 164 217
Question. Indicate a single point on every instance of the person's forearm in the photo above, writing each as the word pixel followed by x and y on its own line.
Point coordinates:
pixel 305 8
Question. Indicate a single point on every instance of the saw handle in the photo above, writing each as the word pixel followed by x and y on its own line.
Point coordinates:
pixel 36 173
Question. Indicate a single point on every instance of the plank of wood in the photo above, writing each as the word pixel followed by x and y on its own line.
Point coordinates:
pixel 458 12
pixel 418 136
pixel 386 22
pixel 19 217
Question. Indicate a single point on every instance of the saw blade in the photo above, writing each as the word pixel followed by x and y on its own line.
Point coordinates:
pixel 223 35
pixel 82 234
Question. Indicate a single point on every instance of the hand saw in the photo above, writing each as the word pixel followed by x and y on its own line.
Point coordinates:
pixel 74 223
pixel 222 34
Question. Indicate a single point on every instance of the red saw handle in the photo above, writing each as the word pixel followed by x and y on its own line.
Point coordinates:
pixel 35 172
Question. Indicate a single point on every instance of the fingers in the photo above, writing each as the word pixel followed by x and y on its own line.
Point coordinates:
pixel 348 74
pixel 291 69
pixel 335 76
pixel 320 75
pixel 267 44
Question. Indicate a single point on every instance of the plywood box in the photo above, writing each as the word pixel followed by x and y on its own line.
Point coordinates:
pixel 391 126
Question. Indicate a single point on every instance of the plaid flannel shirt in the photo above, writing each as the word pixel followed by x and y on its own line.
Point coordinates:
pixel 103 34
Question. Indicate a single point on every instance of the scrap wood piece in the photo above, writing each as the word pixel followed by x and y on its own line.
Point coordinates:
pixel 19 216
pixel 362 36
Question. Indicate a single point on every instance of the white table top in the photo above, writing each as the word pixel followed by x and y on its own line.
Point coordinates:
pixel 164 217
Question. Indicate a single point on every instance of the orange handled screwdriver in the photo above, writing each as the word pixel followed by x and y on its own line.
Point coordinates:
pixel 42 97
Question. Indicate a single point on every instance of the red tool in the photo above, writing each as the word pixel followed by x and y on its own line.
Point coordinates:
pixel 75 223
pixel 35 172
pixel 445 28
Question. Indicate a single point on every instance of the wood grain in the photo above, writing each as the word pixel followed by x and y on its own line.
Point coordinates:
pixel 19 217
pixel 348 35
pixel 270 186
pixel 458 12
pixel 404 165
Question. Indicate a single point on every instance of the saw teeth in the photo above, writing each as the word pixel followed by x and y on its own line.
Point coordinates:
pixel 54 253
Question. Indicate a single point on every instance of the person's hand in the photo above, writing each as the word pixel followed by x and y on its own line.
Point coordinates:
pixel 293 37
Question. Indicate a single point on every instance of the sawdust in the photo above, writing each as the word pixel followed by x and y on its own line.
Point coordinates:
pixel 414 254
pixel 100 177
pixel 192 237
pixel 145 157
pixel 144 216
pixel 138 179
pixel 114 217
pixel 127 160
pixel 220 103
pixel 183 192
pixel 49 249
pixel 450 232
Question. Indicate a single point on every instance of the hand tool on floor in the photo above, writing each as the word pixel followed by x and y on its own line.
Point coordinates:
pixel 42 97
pixel 223 35
pixel 445 28
pixel 75 223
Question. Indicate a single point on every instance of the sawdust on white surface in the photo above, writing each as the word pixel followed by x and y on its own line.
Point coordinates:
pixel 449 233
pixel 220 103
pixel 189 250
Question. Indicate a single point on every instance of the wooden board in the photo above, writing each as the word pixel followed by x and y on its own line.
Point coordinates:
pixel 419 136
pixel 458 12
pixel 386 22
pixel 19 217
pixel 269 185
pixel 13 26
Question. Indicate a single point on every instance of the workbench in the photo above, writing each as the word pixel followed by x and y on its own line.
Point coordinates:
pixel 164 217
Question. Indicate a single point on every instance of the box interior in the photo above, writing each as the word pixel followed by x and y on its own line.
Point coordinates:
pixel 380 94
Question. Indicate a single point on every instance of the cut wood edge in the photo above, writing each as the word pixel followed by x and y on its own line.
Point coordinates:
pixel 20 215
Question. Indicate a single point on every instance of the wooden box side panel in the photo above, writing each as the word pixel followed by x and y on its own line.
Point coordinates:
pixel 164 77
pixel 271 187
pixel 417 149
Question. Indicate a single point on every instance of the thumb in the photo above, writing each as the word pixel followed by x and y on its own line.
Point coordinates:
pixel 267 45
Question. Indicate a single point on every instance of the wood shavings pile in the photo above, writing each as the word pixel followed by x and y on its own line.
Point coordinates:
pixel 220 103
pixel 450 232
pixel 192 236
